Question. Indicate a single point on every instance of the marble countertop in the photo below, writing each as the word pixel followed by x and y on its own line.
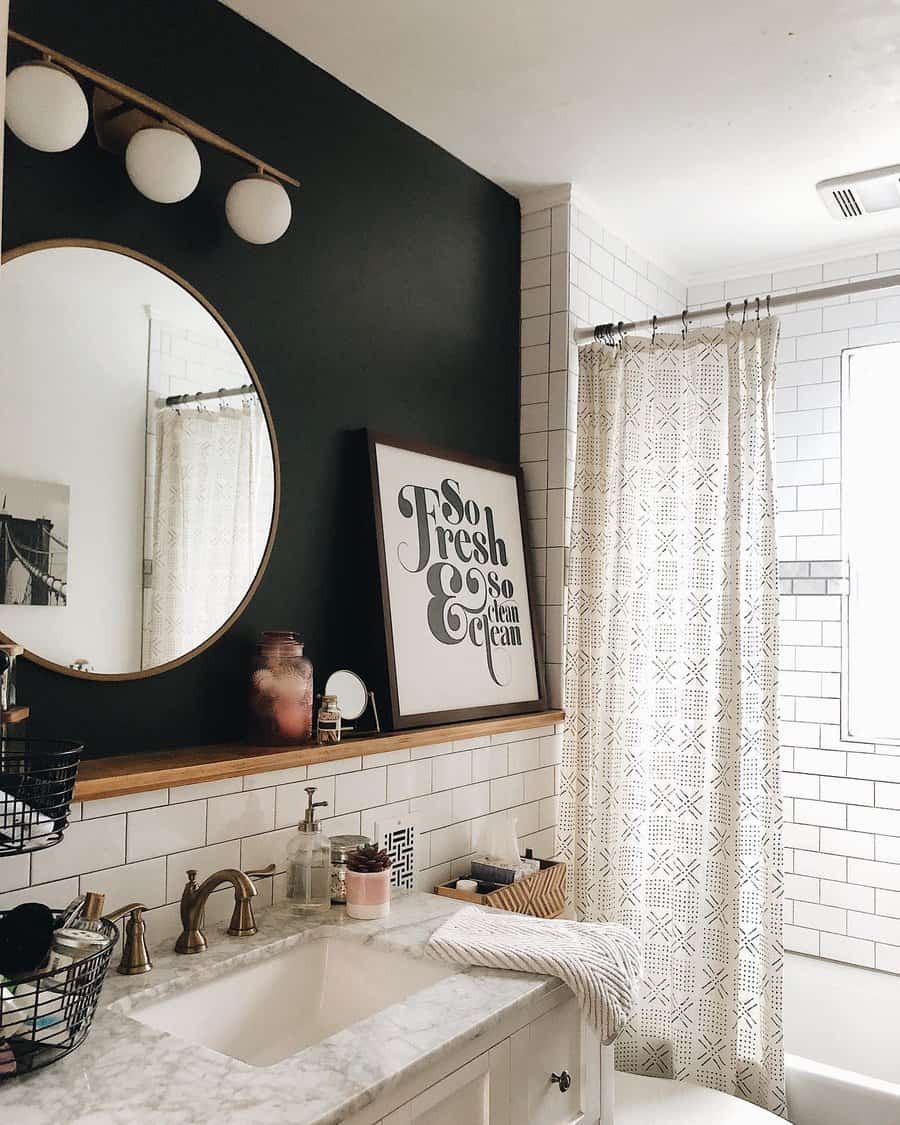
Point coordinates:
pixel 127 1073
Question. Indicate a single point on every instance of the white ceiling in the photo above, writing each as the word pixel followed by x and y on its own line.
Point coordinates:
pixel 698 129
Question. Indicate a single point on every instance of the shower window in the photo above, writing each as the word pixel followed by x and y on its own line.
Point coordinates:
pixel 870 710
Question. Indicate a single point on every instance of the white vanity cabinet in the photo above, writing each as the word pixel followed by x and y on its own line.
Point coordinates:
pixel 547 1069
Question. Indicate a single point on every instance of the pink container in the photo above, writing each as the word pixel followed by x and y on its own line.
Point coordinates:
pixel 368 893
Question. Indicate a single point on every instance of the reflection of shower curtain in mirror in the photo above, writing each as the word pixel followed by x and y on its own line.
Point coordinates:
pixel 212 516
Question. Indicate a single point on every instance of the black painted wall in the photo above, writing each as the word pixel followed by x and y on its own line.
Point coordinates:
pixel 392 302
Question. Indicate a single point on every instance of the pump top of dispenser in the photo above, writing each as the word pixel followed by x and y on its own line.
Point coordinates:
pixel 309 822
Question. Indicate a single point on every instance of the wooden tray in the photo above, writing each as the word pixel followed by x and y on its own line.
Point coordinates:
pixel 542 895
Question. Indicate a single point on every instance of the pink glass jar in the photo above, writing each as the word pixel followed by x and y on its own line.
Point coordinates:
pixel 368 893
pixel 281 691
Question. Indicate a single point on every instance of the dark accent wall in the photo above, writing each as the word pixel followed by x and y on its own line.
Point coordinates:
pixel 392 302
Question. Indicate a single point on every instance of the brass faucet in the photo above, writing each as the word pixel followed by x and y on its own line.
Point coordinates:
pixel 193 905
pixel 135 956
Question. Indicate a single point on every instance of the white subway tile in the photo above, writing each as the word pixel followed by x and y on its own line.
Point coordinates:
pixel 539 784
pixel 15 872
pixel 821 345
pixel 155 832
pixel 507 791
pixel 874 766
pixel 857 845
pixel 182 793
pixel 413 779
pixel 133 882
pixel 818 710
pixel 852 950
pixel 887 958
pixel 819 917
pixel 524 755
pixel 873 928
pixel 333 767
pixel 797 422
pixel 884 822
pixel 819 609
pixel 798 373
pixel 535 243
pixel 536 302
pixel 851 791
pixel 363 790
pixel 451 771
pixel 887 795
pixel 109 806
pixel 471 801
pixel 820 866
pixel 88 845
pixel 534 219
pixel 275 777
pixel 797 940
pixel 57 895
pixel 801 889
pixel 433 811
pixel 868 874
pixel 240 814
pixel 451 842
pixel 818 446
pixel 801 836
pixel 800 785
pixel 847 896
pixel 489 762
pixel 824 813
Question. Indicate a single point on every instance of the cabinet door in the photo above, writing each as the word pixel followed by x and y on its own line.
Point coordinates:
pixel 474 1095
pixel 551 1045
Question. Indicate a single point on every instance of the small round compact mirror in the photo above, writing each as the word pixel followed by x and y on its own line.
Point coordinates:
pixel 352 694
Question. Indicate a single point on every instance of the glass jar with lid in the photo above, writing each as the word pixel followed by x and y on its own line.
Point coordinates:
pixel 341 847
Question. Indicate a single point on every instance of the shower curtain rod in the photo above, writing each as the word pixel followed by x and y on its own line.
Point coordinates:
pixel 741 308
pixel 203 396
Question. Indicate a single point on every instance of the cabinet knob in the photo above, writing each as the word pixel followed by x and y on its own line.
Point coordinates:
pixel 563 1080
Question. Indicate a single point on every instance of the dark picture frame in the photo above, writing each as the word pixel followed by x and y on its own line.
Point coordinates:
pixel 511 540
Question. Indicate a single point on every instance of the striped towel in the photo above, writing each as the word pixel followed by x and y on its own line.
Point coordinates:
pixel 600 962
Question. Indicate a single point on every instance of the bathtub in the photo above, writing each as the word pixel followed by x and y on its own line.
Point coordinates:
pixel 842 1042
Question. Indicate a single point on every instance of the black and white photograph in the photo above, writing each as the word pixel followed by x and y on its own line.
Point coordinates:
pixel 34 542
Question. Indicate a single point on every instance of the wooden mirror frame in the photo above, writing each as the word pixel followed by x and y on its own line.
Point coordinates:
pixel 136 255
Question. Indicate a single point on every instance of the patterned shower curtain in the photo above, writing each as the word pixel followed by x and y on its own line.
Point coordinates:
pixel 670 817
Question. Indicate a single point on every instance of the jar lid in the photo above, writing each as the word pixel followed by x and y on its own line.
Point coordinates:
pixel 342 846
pixel 75 938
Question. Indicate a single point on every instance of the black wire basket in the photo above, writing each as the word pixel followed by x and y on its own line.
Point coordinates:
pixel 37 777
pixel 45 1016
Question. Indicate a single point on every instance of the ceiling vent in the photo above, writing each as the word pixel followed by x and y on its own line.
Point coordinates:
pixel 863 193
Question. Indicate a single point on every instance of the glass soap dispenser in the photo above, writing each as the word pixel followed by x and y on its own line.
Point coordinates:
pixel 309 863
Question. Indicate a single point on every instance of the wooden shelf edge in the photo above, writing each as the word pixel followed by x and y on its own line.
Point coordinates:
pixel 167 769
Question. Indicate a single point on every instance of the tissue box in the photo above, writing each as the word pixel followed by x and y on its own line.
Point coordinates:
pixel 542 895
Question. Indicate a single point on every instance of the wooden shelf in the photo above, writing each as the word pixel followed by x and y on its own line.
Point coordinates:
pixel 166 769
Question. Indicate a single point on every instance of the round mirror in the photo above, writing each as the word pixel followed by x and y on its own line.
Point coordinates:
pixel 351 693
pixel 138 471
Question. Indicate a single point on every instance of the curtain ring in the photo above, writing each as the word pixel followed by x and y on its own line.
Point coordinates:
pixel 728 310
pixel 768 304
pixel 684 327
pixel 620 328
pixel 653 333
pixel 757 310
pixel 744 313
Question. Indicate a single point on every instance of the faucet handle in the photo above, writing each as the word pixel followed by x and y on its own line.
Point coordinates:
pixel 262 872
pixel 135 955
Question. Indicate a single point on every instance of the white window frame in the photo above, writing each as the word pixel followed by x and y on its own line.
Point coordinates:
pixel 847 735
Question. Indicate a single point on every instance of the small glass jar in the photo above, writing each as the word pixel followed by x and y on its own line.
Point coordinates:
pixel 341 847
pixel 328 722
pixel 281 691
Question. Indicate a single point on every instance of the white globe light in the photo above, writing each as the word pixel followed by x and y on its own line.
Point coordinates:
pixel 45 107
pixel 258 209
pixel 163 164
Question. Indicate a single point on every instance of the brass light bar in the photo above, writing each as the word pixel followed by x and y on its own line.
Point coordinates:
pixel 132 97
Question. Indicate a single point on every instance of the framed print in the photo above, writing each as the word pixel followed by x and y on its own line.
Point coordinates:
pixel 462 640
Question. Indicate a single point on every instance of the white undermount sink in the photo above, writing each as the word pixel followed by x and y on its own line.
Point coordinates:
pixel 268 1010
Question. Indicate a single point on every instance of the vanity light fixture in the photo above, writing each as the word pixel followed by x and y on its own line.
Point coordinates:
pixel 46 108
pixel 258 209
pixel 163 163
